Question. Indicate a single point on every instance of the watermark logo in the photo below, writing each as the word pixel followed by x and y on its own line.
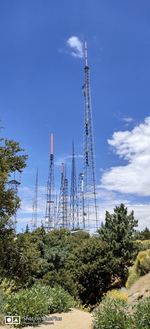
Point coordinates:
pixel 12 319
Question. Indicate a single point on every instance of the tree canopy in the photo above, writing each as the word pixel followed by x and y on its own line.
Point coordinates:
pixel 11 161
pixel 118 231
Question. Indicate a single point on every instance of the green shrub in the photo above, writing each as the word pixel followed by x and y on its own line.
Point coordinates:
pixel 112 314
pixel 142 314
pixel 133 277
pixel 31 305
pixel 2 306
pixel 141 267
pixel 117 294
pixel 59 300
pixel 142 244
pixel 143 262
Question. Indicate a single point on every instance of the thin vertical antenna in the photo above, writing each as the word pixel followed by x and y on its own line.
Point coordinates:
pixel 50 202
pixel 60 205
pixel 89 157
pixel 73 194
pixel 35 204
pixel 81 210
pixel 66 224
pixel 62 216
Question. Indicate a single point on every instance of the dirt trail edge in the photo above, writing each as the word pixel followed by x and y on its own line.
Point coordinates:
pixel 75 319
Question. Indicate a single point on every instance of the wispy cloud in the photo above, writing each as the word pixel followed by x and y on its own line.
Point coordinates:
pixel 67 159
pixel 76 46
pixel 128 120
pixel 134 147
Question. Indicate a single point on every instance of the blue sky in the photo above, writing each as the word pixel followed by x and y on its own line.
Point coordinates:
pixel 41 91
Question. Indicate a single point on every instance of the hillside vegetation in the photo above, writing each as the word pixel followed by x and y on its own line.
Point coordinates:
pixel 42 273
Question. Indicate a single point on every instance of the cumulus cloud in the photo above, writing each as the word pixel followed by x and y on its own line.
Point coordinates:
pixel 76 46
pixel 134 147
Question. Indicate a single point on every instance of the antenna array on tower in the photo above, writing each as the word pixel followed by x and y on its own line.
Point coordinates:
pixel 90 203
pixel 51 197
pixel 80 210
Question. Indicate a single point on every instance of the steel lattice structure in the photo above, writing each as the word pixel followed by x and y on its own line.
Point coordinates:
pixel 74 219
pixel 62 215
pixel 81 212
pixel 51 197
pixel 90 203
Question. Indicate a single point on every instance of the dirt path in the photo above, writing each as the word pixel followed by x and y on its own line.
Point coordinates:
pixel 75 319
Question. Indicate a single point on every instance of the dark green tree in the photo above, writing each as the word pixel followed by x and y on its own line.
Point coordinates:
pixel 11 161
pixel 118 231
pixel 143 235
pixel 91 267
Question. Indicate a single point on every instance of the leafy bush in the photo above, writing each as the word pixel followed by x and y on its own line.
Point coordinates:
pixel 31 305
pixel 143 262
pixel 2 305
pixel 117 294
pixel 142 314
pixel 8 286
pixel 141 267
pixel 59 300
pixel 133 277
pixel 142 244
pixel 112 313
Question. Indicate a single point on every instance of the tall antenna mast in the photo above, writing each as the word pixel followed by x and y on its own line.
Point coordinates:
pixel 50 202
pixel 90 203
pixel 62 216
pixel 35 204
pixel 73 195
pixel 81 210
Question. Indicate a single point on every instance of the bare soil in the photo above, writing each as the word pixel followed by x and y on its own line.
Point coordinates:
pixel 140 289
pixel 75 319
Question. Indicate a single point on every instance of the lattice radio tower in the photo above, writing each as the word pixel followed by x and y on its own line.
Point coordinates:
pixel 62 216
pixel 35 204
pixel 51 198
pixel 74 219
pixel 90 203
pixel 81 210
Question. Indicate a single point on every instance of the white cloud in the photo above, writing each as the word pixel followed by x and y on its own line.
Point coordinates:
pixel 134 147
pixel 66 159
pixel 76 46
pixel 128 119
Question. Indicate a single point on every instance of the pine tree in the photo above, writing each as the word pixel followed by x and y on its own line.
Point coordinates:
pixel 118 232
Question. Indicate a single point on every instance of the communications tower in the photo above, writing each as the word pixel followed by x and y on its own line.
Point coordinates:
pixel 62 216
pixel 74 219
pixel 81 210
pixel 51 198
pixel 90 203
